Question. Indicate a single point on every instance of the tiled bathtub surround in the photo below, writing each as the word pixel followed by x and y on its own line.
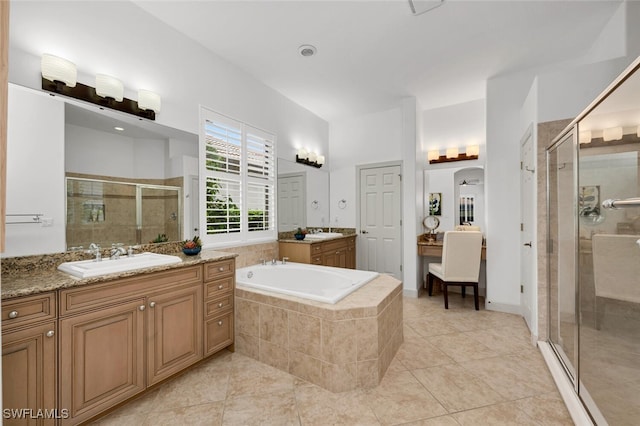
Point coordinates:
pixel 253 254
pixel 339 347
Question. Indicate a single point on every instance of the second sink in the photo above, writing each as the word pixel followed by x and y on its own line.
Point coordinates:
pixel 91 268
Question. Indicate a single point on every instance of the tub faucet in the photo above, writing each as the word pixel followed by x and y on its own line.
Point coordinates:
pixel 274 262
pixel 264 262
pixel 284 260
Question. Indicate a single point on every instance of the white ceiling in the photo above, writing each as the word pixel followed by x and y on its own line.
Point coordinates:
pixel 371 53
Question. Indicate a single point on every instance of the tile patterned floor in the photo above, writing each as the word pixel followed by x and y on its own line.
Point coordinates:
pixel 456 367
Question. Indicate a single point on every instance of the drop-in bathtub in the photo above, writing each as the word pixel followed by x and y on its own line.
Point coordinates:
pixel 319 283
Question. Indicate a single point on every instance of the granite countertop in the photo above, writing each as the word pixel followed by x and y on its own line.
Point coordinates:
pixel 313 241
pixel 40 280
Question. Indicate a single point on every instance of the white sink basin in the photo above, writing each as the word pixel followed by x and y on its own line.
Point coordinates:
pixel 323 235
pixel 91 268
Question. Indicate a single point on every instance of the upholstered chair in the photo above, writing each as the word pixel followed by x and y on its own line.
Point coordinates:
pixel 461 252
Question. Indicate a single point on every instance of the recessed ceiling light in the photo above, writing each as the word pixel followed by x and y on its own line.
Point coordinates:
pixel 307 50
pixel 120 129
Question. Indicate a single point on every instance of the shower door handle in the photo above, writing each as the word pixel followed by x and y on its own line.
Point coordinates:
pixel 619 204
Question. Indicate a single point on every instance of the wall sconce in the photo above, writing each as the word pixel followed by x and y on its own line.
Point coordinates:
pixel 612 134
pixel 452 154
pixel 59 76
pixel 309 158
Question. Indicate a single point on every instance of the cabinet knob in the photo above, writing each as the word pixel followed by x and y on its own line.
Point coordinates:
pixel 220 287
pixel 141 308
pixel 337 252
pixel 220 322
pixel 50 333
pixel 152 304
pixel 13 314
pixel 221 269
pixel 220 305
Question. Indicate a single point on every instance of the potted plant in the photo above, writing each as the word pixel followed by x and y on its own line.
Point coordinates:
pixel 300 233
pixel 192 247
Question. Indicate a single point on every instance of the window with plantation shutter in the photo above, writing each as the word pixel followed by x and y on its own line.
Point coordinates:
pixel 237 173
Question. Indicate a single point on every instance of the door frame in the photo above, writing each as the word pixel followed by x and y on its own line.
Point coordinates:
pixel 359 168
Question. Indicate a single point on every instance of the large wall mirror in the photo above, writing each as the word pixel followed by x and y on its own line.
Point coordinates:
pixel 127 181
pixel 303 196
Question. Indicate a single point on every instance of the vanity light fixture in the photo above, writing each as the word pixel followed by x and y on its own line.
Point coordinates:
pixel 612 134
pixel 59 76
pixel 149 100
pixel 309 158
pixel 56 69
pixel 585 137
pixel 109 87
pixel 452 154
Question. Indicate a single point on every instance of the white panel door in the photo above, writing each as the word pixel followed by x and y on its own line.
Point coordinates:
pixel 380 244
pixel 291 202
pixel 527 217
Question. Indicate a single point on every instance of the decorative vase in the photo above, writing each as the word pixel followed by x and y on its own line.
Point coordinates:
pixel 191 251
pixel 299 236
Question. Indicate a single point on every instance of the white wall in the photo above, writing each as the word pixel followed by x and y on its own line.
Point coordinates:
pixel 35 172
pixel 389 135
pixel 454 126
pixel 146 53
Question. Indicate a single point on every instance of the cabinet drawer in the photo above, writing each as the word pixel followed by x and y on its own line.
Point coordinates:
pixel 215 270
pixel 217 288
pixel 218 333
pixel 334 246
pixel 95 296
pixel 26 310
pixel 316 259
pixel 316 248
pixel 216 307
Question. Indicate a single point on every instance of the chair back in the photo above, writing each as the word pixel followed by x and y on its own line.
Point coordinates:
pixel 616 266
pixel 461 252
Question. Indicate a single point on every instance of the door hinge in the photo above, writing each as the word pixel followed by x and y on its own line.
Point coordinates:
pixel 400 176
pixel 400 222
pixel 521 165
pixel 521 288
pixel 400 268
pixel 522 226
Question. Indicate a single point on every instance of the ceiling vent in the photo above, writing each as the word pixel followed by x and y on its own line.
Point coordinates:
pixel 418 7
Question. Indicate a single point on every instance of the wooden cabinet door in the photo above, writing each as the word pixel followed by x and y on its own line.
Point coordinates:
pixel 351 253
pixel 101 359
pixel 29 374
pixel 174 331
pixel 336 258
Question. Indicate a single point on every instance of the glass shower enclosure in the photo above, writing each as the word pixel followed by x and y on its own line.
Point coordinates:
pixel 108 212
pixel 593 246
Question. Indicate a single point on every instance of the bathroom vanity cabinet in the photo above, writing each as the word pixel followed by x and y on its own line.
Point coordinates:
pixel 87 348
pixel 29 350
pixel 339 252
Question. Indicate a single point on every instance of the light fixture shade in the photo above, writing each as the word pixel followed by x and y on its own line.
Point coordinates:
pixel 55 68
pixel 149 100
pixel 584 137
pixel 433 155
pixel 109 87
pixel 320 159
pixel 303 154
pixel 313 156
pixel 612 134
pixel 473 150
pixel 452 152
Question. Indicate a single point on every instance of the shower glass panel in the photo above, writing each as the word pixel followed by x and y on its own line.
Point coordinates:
pixel 159 213
pixel 561 197
pixel 609 257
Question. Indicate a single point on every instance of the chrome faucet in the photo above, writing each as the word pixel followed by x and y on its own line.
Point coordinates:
pixel 284 260
pixel 130 251
pixel 95 249
pixel 116 251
